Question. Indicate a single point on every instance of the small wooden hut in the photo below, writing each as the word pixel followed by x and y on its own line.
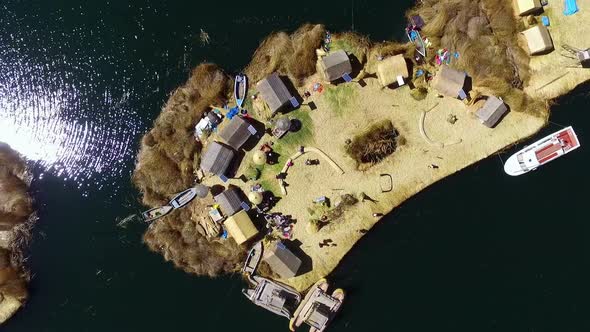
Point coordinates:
pixel 217 158
pixel 538 40
pixel 281 260
pixel 584 57
pixel 450 82
pixel 527 7
pixel 392 70
pixel 274 92
pixel 335 65
pixel 491 112
pixel 237 132
pixel 229 201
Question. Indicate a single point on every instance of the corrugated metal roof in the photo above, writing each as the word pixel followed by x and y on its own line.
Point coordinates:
pixel 281 260
pixel 335 65
pixel 229 201
pixel 274 92
pixel 217 158
pixel 236 132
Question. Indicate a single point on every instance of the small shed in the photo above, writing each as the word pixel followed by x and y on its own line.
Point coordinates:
pixel 281 260
pixel 229 201
pixel 237 132
pixel 217 158
pixel 527 7
pixel 491 111
pixel 274 92
pixel 335 65
pixel 240 227
pixel 584 57
pixel 450 82
pixel 538 39
pixel 392 69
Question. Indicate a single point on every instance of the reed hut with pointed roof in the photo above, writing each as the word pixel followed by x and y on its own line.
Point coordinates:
pixel 237 132
pixel 240 227
pixel 538 40
pixel 217 158
pixel 449 82
pixel 393 69
pixel 334 65
pixel 491 112
pixel 527 7
pixel 229 201
pixel 274 92
pixel 281 260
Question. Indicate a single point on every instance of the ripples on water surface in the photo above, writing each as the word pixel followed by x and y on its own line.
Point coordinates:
pixel 70 91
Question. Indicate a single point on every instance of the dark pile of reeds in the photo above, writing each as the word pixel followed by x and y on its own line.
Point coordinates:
pixel 291 55
pixel 177 239
pixel 374 144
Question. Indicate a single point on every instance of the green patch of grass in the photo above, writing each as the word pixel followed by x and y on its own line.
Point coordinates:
pixel 248 102
pixel 343 44
pixel 339 97
pixel 291 142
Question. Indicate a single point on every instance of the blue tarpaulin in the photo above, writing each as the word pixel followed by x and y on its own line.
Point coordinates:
pixel 571 7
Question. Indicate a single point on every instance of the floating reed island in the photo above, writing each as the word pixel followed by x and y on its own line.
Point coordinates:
pixel 337 130
pixel 16 220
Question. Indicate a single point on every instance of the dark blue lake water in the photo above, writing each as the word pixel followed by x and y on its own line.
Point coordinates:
pixel 81 81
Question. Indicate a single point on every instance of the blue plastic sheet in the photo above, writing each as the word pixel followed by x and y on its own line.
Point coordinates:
pixel 571 7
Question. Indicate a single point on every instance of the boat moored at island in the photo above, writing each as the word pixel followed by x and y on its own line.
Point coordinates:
pixel 273 296
pixel 317 308
pixel 542 151
pixel 156 213
pixel 183 198
pixel 253 258
pixel 240 89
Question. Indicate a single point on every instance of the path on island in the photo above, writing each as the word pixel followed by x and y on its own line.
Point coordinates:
pixel 299 154
pixel 425 136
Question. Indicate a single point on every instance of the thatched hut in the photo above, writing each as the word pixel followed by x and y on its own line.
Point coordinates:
pixel 237 132
pixel 538 40
pixel 229 201
pixel 450 82
pixel 492 110
pixel 393 69
pixel 274 92
pixel 527 7
pixel 240 227
pixel 281 260
pixel 335 65
pixel 217 158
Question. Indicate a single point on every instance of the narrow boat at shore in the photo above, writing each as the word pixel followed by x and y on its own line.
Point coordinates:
pixel 253 259
pixel 273 296
pixel 155 213
pixel 542 151
pixel 415 37
pixel 240 89
pixel 183 198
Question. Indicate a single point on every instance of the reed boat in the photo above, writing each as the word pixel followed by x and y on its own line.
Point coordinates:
pixel 253 259
pixel 415 37
pixel 542 151
pixel 240 89
pixel 155 213
pixel 183 198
